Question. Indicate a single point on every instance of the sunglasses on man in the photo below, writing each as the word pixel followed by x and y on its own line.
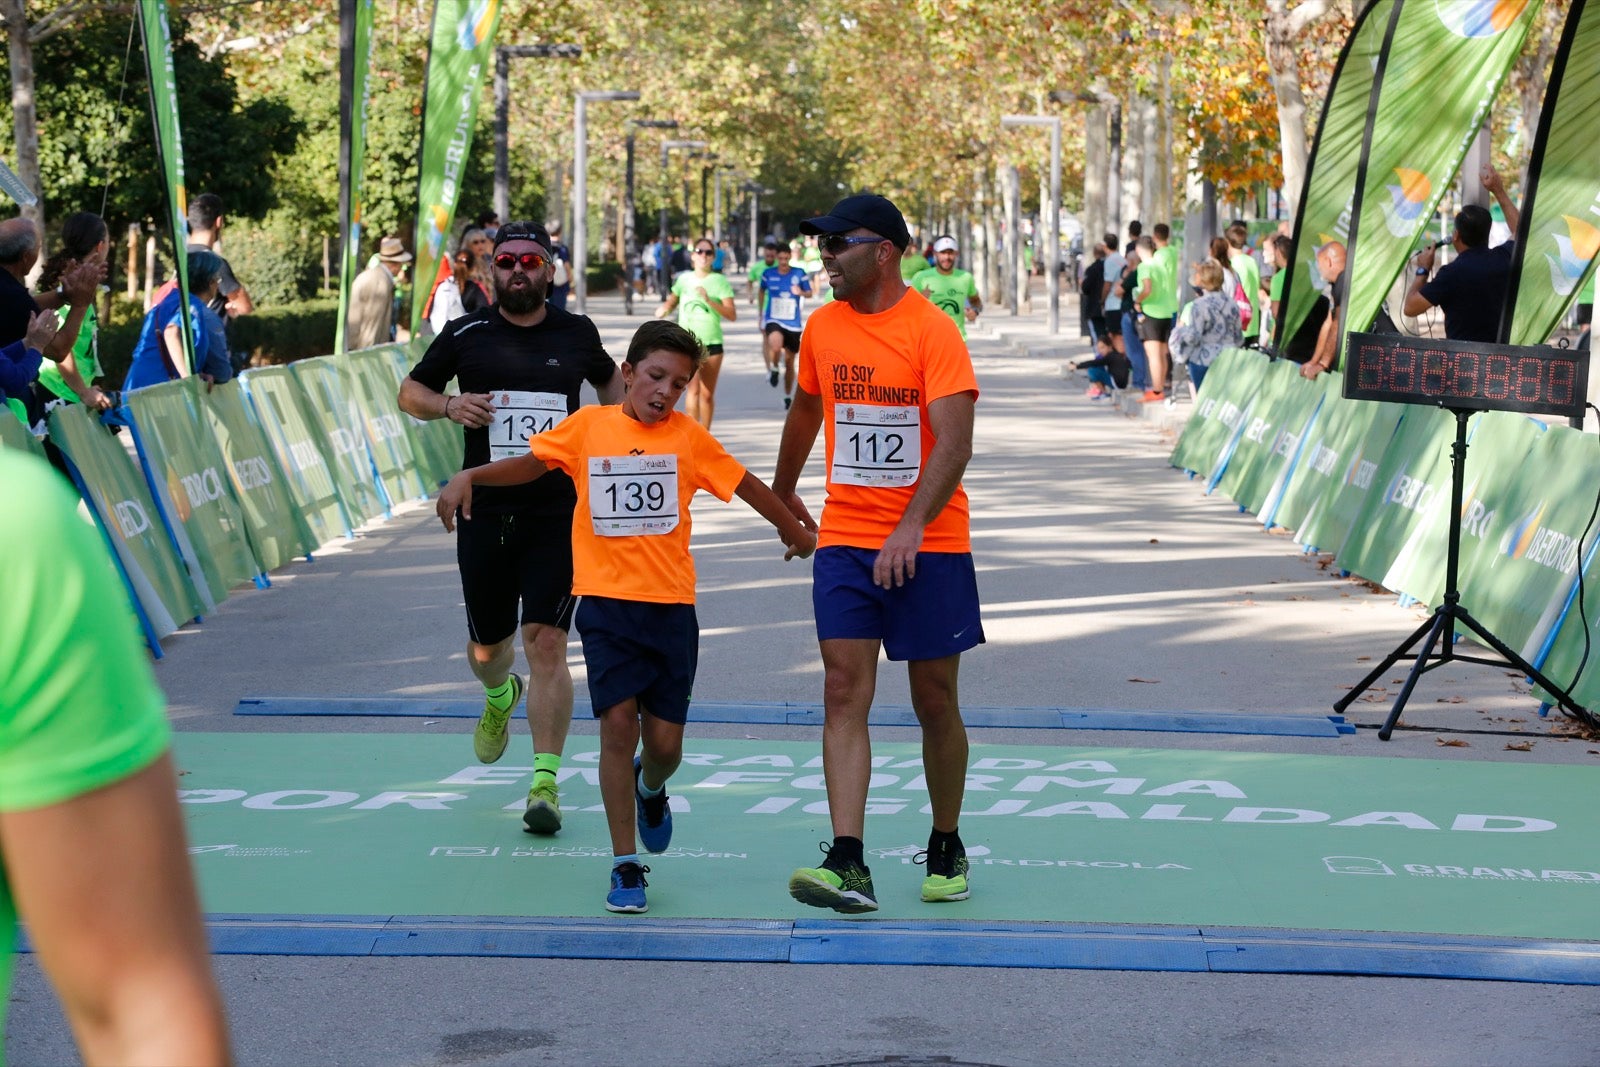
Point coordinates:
pixel 834 243
pixel 531 261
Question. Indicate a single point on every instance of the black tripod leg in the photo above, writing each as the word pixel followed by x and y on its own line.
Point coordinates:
pixel 1381 669
pixel 1562 696
pixel 1438 626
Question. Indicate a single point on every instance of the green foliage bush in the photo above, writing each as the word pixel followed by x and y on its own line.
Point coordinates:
pixel 278 259
pixel 604 276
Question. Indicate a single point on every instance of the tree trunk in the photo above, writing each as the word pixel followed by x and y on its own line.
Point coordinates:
pixel 25 120
pixel 1163 190
pixel 1133 163
pixel 1283 26
pixel 1094 176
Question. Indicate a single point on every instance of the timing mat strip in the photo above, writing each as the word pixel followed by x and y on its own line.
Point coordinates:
pixel 780 714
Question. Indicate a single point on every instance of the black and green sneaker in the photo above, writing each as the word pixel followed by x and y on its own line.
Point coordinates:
pixel 947 873
pixel 841 884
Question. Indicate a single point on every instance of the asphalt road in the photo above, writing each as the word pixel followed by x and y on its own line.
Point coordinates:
pixel 1108 581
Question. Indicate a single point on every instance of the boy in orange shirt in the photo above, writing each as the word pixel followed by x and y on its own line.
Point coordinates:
pixel 636 467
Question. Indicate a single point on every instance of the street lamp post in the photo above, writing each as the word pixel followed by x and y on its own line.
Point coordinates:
pixel 580 189
pixel 716 220
pixel 630 240
pixel 502 109
pixel 666 253
pixel 1053 215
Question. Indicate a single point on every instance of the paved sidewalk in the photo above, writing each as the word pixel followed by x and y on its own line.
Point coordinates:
pixel 1109 581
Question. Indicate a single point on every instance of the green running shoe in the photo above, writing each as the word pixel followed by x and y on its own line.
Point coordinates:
pixel 489 739
pixel 544 810
pixel 840 884
pixel 947 874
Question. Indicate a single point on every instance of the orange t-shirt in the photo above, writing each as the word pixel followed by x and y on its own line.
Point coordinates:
pixel 876 375
pixel 630 530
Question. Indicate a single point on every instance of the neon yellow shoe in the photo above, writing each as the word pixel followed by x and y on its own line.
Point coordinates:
pixel 544 809
pixel 840 884
pixel 947 874
pixel 489 739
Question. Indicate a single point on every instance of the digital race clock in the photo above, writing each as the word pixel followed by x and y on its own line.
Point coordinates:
pixel 1466 375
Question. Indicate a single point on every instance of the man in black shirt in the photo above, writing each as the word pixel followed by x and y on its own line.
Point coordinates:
pixel 1472 289
pixel 520 364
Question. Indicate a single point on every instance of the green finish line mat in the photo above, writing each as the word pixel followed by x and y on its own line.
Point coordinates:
pixel 1121 857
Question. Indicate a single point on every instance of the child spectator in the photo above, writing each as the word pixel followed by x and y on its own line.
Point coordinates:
pixel 636 466
pixel 1107 367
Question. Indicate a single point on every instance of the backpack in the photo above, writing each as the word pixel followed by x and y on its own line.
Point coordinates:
pixel 1242 300
pixel 562 277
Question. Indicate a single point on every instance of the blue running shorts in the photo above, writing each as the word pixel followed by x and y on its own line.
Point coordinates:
pixel 637 649
pixel 932 616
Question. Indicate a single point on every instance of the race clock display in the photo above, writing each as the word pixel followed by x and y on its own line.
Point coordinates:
pixel 1469 375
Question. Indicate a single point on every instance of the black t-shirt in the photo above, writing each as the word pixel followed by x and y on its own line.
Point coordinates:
pixel 17 306
pixel 1471 292
pixel 487 354
pixel 1094 283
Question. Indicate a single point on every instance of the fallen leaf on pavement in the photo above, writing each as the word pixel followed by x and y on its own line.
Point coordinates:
pixel 1363 659
pixel 1147 681
pixel 1519 746
pixel 1451 742
pixel 1450 700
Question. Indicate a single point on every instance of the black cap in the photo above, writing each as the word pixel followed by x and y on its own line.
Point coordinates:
pixel 524 231
pixel 867 212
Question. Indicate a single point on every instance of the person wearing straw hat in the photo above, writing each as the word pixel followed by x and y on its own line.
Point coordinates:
pixel 371 318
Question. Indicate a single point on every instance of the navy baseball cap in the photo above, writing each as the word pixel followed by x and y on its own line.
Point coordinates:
pixel 524 231
pixel 867 212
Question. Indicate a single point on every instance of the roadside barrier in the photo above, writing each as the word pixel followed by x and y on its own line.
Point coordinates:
pixel 204 490
pixel 1370 483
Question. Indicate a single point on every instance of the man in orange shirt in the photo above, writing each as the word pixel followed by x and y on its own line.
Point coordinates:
pixel 887 376
pixel 635 468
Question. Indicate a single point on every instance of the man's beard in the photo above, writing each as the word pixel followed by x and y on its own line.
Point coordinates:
pixel 522 301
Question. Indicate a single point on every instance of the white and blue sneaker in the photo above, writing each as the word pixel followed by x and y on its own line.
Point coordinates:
pixel 627 888
pixel 655 814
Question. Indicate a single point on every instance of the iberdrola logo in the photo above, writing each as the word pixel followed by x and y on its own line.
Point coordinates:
pixel 476 20
pixel 438 222
pixel 1479 18
pixel 1521 534
pixel 1407 202
pixel 1578 249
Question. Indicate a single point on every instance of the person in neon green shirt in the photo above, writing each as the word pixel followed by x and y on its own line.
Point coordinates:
pixel 84 239
pixel 703 299
pixel 952 290
pixel 912 263
pixel 1244 265
pixel 1155 303
pixel 91 835
pixel 767 259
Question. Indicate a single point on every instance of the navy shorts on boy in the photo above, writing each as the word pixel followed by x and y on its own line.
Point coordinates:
pixel 634 648
pixel 931 616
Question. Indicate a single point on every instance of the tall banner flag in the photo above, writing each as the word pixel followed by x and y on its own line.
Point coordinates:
pixel 458 58
pixel 1442 68
pixel 1328 195
pixel 1559 239
pixel 169 150
pixel 355 66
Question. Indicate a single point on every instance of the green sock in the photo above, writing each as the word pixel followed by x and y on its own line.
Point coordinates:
pixel 546 763
pixel 500 696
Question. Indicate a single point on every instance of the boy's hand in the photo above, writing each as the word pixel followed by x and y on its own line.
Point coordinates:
pixel 457 493
pixel 797 508
pixel 803 546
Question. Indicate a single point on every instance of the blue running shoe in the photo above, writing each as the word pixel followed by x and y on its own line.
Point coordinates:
pixel 627 888
pixel 655 814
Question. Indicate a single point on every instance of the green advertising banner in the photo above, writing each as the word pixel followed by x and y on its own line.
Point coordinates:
pixel 15 435
pixel 338 421
pixel 117 493
pixel 276 530
pixel 169 150
pixel 1497 453
pixel 1560 234
pixel 369 379
pixel 355 66
pixel 1415 471
pixel 285 417
pixel 1325 390
pixel 1518 585
pixel 1281 394
pixel 459 57
pixel 1441 73
pixel 1338 470
pixel 437 443
pixel 189 479
pixel 1219 408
